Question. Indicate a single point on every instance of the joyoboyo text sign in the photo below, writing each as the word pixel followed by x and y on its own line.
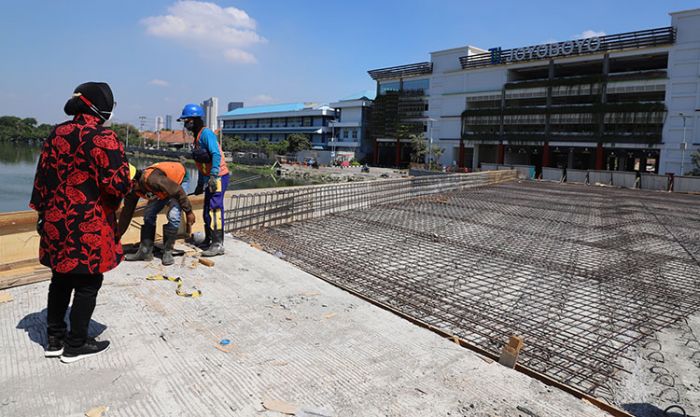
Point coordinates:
pixel 639 39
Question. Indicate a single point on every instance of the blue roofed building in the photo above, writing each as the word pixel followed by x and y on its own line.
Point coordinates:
pixel 275 122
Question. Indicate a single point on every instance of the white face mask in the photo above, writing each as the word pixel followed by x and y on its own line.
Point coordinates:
pixel 108 122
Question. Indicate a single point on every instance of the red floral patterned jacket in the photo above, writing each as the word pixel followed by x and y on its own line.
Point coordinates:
pixel 80 181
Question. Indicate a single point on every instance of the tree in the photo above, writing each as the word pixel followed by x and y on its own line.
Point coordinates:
pixel 279 148
pixel 695 159
pixel 436 153
pixel 120 130
pixel 419 148
pixel 264 146
pixel 298 142
pixel 234 144
pixel 29 121
pixel 15 128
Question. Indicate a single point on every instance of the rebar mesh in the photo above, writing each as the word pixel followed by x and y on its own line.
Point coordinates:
pixel 582 273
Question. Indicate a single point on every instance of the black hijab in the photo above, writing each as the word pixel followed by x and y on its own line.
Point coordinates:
pixel 99 94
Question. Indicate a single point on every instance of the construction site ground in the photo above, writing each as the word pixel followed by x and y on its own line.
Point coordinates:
pixel 603 284
pixel 293 338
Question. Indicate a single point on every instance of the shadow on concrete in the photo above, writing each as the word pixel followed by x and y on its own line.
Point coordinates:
pixel 35 326
pixel 648 410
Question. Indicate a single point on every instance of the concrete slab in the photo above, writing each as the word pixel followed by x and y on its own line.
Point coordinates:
pixel 293 338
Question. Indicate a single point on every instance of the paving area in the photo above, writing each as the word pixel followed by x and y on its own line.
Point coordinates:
pixel 338 174
pixel 603 283
pixel 294 338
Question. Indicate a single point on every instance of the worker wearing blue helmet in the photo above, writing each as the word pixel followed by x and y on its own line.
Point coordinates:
pixel 213 177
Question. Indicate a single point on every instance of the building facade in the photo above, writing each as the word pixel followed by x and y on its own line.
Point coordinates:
pixel 211 111
pixel 169 122
pixel 400 110
pixel 233 105
pixel 159 125
pixel 349 131
pixel 615 102
pixel 276 122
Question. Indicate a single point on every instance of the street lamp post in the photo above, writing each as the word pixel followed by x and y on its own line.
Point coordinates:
pixel 430 143
pixel 684 144
pixel 333 140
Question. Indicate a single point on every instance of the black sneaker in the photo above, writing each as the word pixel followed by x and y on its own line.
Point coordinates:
pixel 91 348
pixel 54 348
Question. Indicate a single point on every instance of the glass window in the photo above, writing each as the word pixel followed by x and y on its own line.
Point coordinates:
pixel 416 85
pixel 345 133
pixel 390 86
pixel 354 133
pixel 306 121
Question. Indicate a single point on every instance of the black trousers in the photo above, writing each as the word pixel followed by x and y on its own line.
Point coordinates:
pixel 60 290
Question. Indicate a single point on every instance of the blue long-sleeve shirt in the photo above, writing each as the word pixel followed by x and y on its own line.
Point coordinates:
pixel 209 141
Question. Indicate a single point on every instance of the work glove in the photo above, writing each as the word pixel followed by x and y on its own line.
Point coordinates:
pixel 213 184
pixel 199 189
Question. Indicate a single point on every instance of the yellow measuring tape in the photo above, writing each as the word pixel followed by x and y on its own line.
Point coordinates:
pixel 178 281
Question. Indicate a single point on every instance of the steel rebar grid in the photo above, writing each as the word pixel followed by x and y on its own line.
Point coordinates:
pixel 582 273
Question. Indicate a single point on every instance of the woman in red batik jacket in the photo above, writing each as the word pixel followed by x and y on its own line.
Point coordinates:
pixel 80 180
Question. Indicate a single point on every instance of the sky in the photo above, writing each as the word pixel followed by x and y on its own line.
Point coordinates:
pixel 158 55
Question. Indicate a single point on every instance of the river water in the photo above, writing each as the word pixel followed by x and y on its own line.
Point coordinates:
pixel 18 165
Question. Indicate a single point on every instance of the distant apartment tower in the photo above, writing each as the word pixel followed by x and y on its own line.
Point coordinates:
pixel 211 110
pixel 233 105
pixel 159 123
pixel 169 122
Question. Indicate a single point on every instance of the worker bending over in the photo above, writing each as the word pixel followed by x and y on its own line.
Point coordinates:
pixel 160 183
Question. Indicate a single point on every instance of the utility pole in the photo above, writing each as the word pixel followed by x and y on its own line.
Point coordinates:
pixel 127 135
pixel 430 141
pixel 684 144
pixel 142 121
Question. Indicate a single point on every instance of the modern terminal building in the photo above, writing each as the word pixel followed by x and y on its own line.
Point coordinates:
pixel 624 101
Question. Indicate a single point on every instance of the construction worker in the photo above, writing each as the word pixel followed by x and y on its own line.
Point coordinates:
pixel 213 177
pixel 160 183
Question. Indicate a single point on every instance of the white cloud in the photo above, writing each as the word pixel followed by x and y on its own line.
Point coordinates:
pixel 588 34
pixel 208 27
pixel 159 83
pixel 260 99
pixel 237 55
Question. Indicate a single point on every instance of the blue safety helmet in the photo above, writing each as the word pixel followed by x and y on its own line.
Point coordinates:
pixel 191 110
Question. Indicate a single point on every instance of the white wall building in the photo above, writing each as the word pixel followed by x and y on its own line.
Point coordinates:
pixel 275 122
pixel 609 102
pixel 211 111
pixel 349 130
pixel 159 125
